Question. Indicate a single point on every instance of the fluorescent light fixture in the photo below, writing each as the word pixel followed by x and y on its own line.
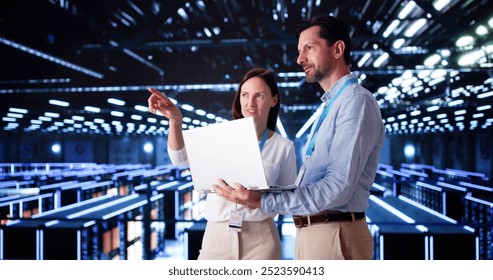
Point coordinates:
pixel 456 102
pixel 432 60
pixel 471 58
pixel 58 103
pixel 18 110
pixel 415 113
pixel 92 109
pixel 406 10
pixel 465 41
pixel 7 119
pixel 12 115
pixel 482 108
pixel 432 108
pixel 187 107
pixel 141 108
pixel 440 4
pixel 398 43
pixel 52 115
pixel 391 28
pixel 478 115
pixel 117 114
pixel 115 101
pixel 481 30
pixel 200 112
pixel 50 58
pixel 460 112
pixel 415 27
pixel 136 117
pixel 484 95
pixel 381 60
pixel 207 32
pixel 397 81
pixel 363 60
pixel 438 73
pixel 436 81
pixel 181 12
pixel 408 82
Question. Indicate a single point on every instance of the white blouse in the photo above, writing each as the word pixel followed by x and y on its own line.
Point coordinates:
pixel 278 156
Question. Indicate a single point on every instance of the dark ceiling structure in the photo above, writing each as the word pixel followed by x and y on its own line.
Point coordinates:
pixel 428 63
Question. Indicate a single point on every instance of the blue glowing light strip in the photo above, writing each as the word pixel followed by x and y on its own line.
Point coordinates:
pixel 433 212
pixel 102 206
pixel 125 209
pixel 70 206
pixel 51 58
pixel 392 210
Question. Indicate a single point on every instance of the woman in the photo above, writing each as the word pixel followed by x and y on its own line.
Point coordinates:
pixel 258 97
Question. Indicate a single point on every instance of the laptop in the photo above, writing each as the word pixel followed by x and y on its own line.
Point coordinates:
pixel 230 151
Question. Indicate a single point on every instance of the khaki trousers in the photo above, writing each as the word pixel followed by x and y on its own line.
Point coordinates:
pixel 334 241
pixel 256 241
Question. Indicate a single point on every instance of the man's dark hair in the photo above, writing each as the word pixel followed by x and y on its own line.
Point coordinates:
pixel 332 29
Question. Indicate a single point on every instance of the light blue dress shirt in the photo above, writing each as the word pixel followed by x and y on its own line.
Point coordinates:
pixel 342 167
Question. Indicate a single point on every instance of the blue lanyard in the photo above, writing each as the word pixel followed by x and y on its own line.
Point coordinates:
pixel 311 146
pixel 264 137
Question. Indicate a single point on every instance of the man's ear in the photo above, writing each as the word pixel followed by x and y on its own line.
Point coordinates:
pixel 339 48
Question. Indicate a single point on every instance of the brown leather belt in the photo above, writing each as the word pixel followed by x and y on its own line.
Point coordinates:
pixel 324 217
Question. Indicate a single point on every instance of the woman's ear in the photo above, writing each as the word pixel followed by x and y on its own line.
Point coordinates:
pixel 275 99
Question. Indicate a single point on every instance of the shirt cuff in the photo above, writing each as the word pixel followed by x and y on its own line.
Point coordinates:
pixel 178 157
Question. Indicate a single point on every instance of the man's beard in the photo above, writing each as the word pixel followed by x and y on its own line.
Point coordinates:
pixel 314 77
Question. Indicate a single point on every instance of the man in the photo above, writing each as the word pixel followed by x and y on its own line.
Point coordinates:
pixel 341 156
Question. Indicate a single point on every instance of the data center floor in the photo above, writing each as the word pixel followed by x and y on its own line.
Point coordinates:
pixel 175 247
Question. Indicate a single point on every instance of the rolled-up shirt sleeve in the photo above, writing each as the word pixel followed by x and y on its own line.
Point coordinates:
pixel 178 157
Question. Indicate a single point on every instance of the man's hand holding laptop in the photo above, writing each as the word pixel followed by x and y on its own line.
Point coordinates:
pixel 239 194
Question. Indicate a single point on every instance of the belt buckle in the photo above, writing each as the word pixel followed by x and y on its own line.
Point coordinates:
pixel 298 222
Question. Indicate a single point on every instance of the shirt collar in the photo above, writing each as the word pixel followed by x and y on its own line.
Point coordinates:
pixel 332 91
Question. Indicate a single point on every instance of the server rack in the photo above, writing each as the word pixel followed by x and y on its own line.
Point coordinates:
pixel 394 236
pixel 102 228
pixel 442 231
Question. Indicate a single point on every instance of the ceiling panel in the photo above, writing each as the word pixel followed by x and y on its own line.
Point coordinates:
pixel 84 52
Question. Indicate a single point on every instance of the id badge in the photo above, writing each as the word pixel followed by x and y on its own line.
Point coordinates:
pixel 235 220
pixel 301 173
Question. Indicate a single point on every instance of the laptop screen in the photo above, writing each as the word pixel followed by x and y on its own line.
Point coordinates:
pixel 228 150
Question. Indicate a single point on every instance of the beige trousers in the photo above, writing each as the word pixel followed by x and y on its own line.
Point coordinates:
pixel 334 241
pixel 256 241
